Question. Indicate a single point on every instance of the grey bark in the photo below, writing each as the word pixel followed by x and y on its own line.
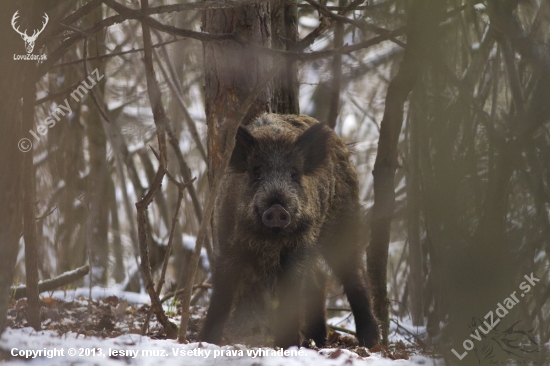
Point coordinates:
pixel 11 158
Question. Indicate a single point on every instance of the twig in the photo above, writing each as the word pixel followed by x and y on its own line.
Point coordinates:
pixel 206 5
pixel 80 12
pixel 338 309
pixel 420 341
pixel 114 54
pixel 186 174
pixel 337 8
pixel 184 167
pixel 46 214
pixel 160 283
pixel 181 188
pixel 336 81
pixel 126 13
pixel 340 329
pixel 207 37
pixel 143 17
pixel 87 75
pixel 513 77
pixel 53 283
pixel 172 83
pixel 361 25
pixel 61 92
pixel 180 291
pixel 197 295
pixel 125 196
pixel 160 118
pixel 311 56
pixel 174 142
pixel 56 55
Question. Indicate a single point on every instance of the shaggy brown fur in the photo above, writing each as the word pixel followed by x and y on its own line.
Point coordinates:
pixel 300 170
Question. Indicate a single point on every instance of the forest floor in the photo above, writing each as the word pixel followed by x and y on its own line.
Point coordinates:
pixel 107 331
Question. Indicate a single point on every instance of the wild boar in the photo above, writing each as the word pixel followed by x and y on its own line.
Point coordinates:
pixel 288 201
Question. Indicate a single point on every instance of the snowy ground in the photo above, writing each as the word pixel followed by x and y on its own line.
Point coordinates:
pixel 138 350
pixel 23 346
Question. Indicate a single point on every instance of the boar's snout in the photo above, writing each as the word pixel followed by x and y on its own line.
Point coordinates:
pixel 276 216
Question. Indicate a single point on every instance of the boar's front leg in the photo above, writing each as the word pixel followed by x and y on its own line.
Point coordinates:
pixel 315 326
pixel 287 314
pixel 225 280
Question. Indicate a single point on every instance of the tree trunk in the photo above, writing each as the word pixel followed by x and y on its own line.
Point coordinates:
pixel 416 277
pixel 118 271
pixel 98 185
pixel 231 72
pixel 336 82
pixel 421 30
pixel 284 28
pixel 29 202
pixel 11 158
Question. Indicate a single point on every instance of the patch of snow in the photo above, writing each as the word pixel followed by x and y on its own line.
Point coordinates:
pixel 310 22
pixel 131 349
pixel 100 293
pixel 189 243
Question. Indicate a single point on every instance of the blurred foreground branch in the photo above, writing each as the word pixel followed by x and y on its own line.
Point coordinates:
pixel 422 26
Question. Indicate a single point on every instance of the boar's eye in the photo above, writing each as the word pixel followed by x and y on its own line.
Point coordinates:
pixel 257 173
pixel 293 175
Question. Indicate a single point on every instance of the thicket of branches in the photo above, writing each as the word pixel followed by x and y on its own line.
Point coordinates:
pixel 470 213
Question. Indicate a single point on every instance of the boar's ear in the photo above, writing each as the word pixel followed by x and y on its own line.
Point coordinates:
pixel 244 143
pixel 313 145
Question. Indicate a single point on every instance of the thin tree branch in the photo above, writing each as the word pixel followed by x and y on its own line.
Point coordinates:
pixel 127 13
pixel 341 329
pixel 53 283
pixel 80 12
pixel 173 140
pixel 124 14
pixel 181 290
pixel 177 92
pixel 207 5
pixel 361 25
pixel 311 56
pixel 336 81
pixel 114 54
pixel 142 16
pixel 206 37
pixel 160 119
pixel 91 90
pixel 181 188
pixel 185 171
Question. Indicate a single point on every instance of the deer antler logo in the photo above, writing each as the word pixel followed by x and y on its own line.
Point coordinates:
pixel 29 40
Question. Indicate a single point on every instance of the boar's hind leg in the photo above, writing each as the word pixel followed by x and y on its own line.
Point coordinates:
pixel 344 256
pixel 358 298
pixel 224 284
pixel 314 301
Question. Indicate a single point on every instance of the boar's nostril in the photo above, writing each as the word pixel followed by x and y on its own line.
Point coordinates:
pixel 276 216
